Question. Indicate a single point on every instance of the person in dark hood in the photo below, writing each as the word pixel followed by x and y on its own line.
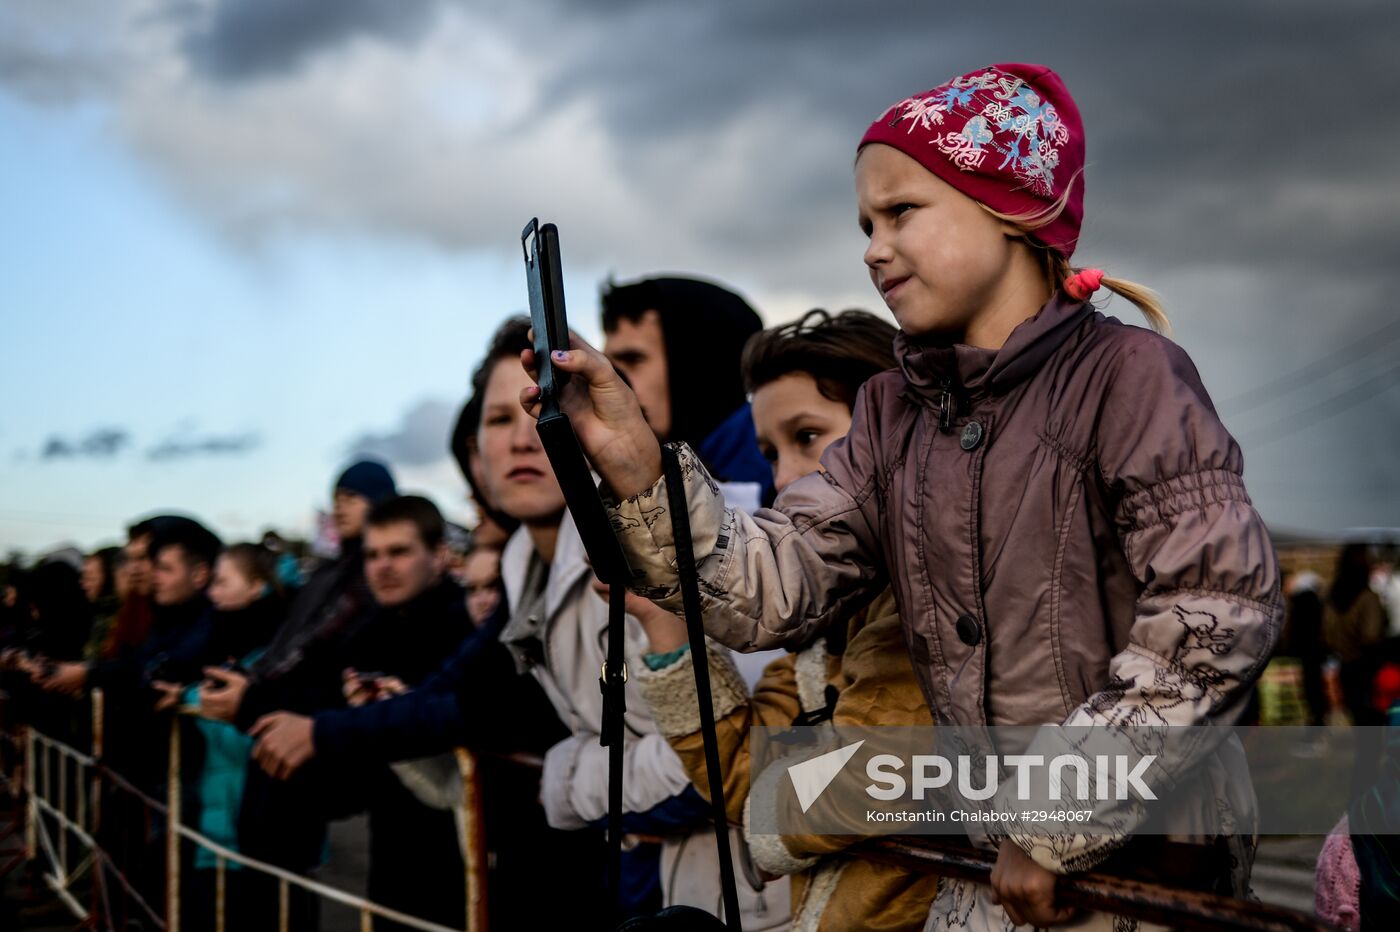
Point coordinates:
pixel 678 342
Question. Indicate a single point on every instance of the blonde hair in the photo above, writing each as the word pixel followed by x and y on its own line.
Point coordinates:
pixel 1057 267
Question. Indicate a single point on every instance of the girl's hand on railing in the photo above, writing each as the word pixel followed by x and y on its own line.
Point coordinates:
pixel 606 417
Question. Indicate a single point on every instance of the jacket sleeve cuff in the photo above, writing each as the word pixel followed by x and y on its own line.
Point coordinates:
pixel 558 777
pixel 642 524
pixel 328 733
pixel 672 696
pixel 769 851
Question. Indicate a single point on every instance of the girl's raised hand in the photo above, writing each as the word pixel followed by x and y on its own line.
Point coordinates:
pixel 605 416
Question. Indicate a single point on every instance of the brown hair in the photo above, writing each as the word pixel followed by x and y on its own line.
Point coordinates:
pixel 257 563
pixel 411 509
pixel 839 352
pixel 1057 267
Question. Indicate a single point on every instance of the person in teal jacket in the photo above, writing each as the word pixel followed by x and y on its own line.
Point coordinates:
pixel 248 607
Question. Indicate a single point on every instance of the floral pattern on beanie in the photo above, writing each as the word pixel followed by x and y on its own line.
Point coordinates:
pixel 1001 114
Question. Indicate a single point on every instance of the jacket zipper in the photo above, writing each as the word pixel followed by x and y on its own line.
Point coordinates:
pixel 947 403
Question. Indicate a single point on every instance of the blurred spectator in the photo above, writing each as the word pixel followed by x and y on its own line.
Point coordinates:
pixel 182 553
pixel 1354 623
pixel 61 611
pixel 103 572
pixel 285 562
pixel 134 617
pixel 481 576
pixel 1386 581
pixel 281 823
pixel 248 604
pixel 248 607
pixel 1302 639
pixel 421 621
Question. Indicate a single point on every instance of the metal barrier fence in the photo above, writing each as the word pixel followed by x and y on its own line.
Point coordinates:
pixel 77 815
pixel 63 790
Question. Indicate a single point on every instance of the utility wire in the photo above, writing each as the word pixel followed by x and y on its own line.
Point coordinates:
pixel 1327 407
pixel 1346 356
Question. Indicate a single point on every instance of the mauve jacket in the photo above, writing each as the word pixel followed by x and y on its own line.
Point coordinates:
pixel 1063 522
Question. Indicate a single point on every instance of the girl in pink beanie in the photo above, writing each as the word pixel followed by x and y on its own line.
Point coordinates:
pixel 1048 491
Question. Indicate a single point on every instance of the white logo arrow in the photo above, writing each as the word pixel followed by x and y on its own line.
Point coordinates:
pixel 811 777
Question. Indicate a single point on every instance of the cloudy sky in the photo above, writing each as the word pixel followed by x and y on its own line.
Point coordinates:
pixel 244 240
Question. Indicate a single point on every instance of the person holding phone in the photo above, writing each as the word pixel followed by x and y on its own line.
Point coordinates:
pixel 1050 493
pixel 557 632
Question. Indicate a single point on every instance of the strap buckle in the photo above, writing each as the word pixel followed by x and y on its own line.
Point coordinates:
pixel 603 673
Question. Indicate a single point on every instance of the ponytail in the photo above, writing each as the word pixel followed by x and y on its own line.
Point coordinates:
pixel 1058 270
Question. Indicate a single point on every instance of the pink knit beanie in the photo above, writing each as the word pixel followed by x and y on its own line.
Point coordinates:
pixel 1007 135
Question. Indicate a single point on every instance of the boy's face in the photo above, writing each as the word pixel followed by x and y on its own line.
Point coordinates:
pixel 398 565
pixel 637 349
pixel 515 471
pixel 176 578
pixel 795 423
pixel 936 257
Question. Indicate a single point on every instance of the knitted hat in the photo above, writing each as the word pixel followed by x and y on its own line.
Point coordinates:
pixel 1337 895
pixel 368 478
pixel 1007 135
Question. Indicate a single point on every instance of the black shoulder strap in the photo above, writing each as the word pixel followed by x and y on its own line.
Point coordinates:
pixel 690 595
pixel 613 684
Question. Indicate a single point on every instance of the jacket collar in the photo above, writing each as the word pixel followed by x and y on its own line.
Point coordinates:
pixel 570 564
pixel 932 368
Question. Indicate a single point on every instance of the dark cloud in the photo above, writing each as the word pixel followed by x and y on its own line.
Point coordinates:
pixel 101 443
pixel 244 39
pixel 1240 160
pixel 420 439
pixel 186 446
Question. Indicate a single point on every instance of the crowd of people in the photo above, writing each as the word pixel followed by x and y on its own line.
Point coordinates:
pixel 1010 509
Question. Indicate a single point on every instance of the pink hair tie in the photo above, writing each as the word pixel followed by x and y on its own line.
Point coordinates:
pixel 1083 283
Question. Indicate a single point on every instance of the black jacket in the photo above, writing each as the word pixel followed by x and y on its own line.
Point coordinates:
pixel 332 605
pixel 476 700
pixel 409 642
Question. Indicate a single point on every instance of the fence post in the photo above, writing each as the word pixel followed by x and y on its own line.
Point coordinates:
pixel 62 866
pixel 473 841
pixel 31 807
pixel 172 834
pixel 220 896
pixel 93 789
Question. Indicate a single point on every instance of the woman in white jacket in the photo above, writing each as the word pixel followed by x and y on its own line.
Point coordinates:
pixel 558 633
